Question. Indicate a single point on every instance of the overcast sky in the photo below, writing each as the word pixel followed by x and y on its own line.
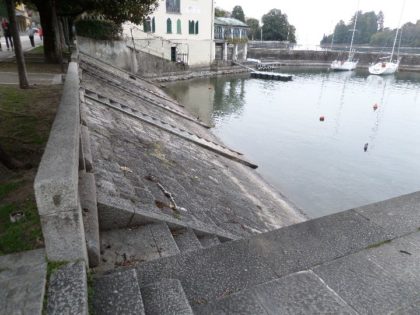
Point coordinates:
pixel 313 18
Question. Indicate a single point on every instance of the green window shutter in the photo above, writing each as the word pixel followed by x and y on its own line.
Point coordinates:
pixel 169 26
pixel 178 26
pixel 153 25
pixel 196 27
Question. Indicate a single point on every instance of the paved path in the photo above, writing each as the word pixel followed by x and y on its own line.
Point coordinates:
pixel 34 78
pixel 26 45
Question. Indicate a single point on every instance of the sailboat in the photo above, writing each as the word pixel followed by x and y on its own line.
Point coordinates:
pixel 391 66
pixel 349 64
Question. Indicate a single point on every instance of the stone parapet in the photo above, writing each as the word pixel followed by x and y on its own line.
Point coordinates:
pixel 56 183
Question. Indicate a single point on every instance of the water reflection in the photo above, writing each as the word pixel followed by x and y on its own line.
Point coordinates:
pixel 321 166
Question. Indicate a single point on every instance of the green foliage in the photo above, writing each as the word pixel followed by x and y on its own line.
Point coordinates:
pixel 370 30
pixel 238 13
pixel 237 40
pixel 98 29
pixel 276 27
pixel 218 12
pixel 254 31
pixel 22 235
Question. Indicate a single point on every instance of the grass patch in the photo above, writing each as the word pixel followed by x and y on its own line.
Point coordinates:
pixel 23 235
pixel 26 117
pixel 37 50
pixel 90 291
pixel 7 188
pixel 34 67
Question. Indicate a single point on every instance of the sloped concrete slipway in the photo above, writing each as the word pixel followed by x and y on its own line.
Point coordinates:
pixel 153 161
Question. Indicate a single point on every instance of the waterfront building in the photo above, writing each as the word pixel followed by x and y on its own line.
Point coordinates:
pixel 231 39
pixel 178 30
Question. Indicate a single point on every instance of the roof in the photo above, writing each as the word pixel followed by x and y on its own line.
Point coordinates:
pixel 229 22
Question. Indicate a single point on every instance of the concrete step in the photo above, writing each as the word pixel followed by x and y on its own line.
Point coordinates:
pixel 117 293
pixel 87 193
pixel 209 274
pixel 209 241
pixel 128 247
pixel 22 282
pixel 165 297
pixel 186 240
pixel 67 290
pixel 299 293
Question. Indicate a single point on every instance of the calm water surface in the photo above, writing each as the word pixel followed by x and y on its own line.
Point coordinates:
pixel 320 166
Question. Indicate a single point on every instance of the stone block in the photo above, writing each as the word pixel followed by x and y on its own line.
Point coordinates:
pixel 165 297
pixel 398 216
pixel 118 293
pixel 365 285
pixel 209 241
pixel 86 146
pixel 209 274
pixel 67 290
pixel 299 293
pixel 186 240
pixel 164 239
pixel 22 282
pixel 87 190
pixel 64 236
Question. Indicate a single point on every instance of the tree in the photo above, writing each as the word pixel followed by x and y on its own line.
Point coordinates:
pixel 51 13
pixel 238 13
pixel 218 12
pixel 276 27
pixel 255 31
pixel 23 78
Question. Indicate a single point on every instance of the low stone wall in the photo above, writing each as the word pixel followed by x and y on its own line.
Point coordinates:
pixel 114 52
pixel 56 183
pixel 307 56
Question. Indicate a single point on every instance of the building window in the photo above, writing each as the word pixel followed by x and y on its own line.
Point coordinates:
pixel 153 25
pixel 169 26
pixel 173 6
pixel 147 25
pixel 193 27
pixel 178 26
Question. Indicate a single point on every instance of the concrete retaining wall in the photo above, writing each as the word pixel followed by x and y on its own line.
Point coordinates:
pixel 56 183
pixel 114 52
pixel 307 56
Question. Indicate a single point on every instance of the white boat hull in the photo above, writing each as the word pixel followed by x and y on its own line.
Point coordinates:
pixel 343 65
pixel 383 68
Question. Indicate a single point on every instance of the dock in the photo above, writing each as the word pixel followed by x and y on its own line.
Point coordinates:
pixel 271 76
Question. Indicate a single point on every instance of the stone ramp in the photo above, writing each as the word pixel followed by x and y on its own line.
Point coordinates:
pixel 347 262
pixel 22 282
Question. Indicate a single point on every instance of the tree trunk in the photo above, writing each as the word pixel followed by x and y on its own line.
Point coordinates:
pixel 23 78
pixel 48 16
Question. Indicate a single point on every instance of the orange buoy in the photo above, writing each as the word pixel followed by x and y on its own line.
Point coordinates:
pixel 322 118
pixel 375 107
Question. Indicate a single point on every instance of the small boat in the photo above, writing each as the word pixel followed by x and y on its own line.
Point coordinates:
pixel 390 66
pixel 385 67
pixel 349 64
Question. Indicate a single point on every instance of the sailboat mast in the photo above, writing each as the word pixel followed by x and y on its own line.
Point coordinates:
pixel 396 34
pixel 354 28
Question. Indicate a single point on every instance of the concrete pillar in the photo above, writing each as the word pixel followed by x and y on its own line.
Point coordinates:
pixel 225 51
pixel 235 52
pixel 134 66
pixel 245 50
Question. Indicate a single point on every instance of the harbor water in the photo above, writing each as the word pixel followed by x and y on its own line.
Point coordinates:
pixel 357 155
